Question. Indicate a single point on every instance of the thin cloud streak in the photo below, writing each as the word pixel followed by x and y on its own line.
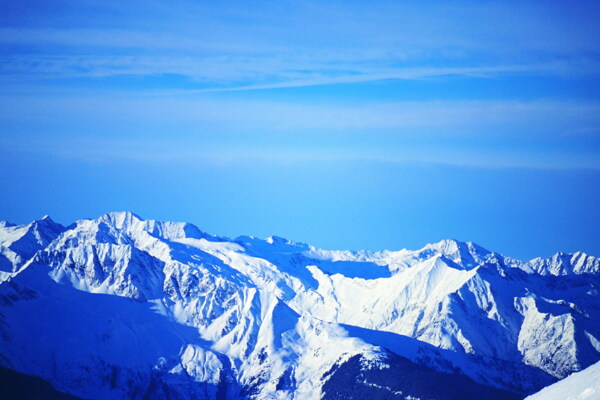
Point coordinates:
pixel 510 27
pixel 238 50
pixel 116 39
pixel 257 118
pixel 103 151
pixel 247 73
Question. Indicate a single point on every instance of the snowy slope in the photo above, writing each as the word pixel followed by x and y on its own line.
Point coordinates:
pixel 19 243
pixel 583 385
pixel 120 307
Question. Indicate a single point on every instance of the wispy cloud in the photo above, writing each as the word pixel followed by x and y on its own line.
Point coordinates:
pixel 208 116
pixel 223 52
pixel 307 43
pixel 194 155
pixel 242 73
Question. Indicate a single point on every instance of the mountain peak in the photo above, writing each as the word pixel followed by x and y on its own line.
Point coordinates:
pixel 445 244
pixel 26 240
pixel 454 244
pixel 131 224
pixel 46 221
pixel 120 218
pixel 566 263
pixel 466 254
pixel 277 240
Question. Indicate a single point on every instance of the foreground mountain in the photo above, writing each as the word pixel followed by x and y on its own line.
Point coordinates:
pixel 583 385
pixel 123 308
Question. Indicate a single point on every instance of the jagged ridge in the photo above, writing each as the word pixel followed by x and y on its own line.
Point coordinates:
pixel 258 318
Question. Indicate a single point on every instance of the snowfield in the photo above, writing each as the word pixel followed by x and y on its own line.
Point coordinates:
pixel 125 308
pixel 584 385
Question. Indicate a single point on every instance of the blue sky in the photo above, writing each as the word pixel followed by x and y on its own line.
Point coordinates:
pixel 342 124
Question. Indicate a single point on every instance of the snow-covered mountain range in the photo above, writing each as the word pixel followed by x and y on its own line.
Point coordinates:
pixel 123 308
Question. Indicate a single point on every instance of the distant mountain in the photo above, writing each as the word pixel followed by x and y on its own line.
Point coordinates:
pixel 123 308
